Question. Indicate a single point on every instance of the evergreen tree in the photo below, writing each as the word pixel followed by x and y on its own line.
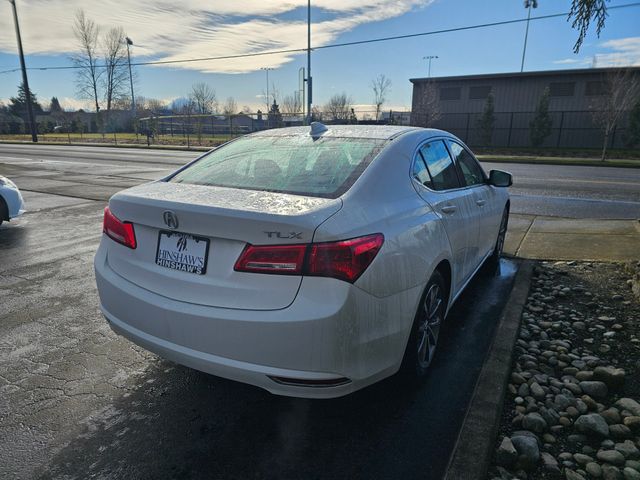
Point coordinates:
pixel 487 121
pixel 55 106
pixel 540 125
pixel 18 105
pixel 632 135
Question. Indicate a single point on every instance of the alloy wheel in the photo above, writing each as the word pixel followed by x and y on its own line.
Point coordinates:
pixel 429 326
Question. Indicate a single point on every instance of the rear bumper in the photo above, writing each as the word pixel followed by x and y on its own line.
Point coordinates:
pixel 332 330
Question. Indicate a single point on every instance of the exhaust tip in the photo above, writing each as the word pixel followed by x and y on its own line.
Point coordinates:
pixel 305 382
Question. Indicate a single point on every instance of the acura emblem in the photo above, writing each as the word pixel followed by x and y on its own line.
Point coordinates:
pixel 170 219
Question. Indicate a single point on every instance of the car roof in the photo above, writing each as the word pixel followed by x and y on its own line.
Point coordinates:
pixel 381 132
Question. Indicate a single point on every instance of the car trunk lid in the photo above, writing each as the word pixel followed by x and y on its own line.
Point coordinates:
pixel 223 221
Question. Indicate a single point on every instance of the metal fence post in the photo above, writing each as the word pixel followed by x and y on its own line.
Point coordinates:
pixel 560 129
pixel 466 130
pixel 510 128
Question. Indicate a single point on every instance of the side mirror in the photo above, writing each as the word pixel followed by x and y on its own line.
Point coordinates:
pixel 498 178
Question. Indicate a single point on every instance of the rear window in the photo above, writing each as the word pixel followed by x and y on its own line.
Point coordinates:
pixel 324 167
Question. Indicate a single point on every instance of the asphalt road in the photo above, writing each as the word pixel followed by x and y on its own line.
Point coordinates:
pixel 77 401
pixel 552 190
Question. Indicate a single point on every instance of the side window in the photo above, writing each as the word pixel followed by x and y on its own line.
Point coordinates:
pixel 471 171
pixel 420 172
pixel 440 166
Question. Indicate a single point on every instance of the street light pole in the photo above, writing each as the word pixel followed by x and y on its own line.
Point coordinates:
pixel 25 81
pixel 429 58
pixel 309 79
pixel 133 99
pixel 528 4
pixel 266 69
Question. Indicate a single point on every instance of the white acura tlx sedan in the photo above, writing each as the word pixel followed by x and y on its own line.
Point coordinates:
pixel 310 262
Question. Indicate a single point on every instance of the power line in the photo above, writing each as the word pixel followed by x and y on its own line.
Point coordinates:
pixel 459 29
pixel 333 45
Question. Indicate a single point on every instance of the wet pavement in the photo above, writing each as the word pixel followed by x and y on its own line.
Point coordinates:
pixel 77 401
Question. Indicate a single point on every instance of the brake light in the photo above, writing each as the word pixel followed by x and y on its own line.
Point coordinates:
pixel 282 259
pixel 117 230
pixel 345 260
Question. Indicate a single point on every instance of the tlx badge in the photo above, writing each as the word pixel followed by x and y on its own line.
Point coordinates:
pixel 286 235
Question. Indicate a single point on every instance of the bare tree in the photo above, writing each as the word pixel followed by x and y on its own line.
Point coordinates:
pixel 621 90
pixel 274 93
pixel 204 98
pixel 428 106
pixel 88 73
pixel 581 14
pixel 338 108
pixel 204 101
pixel 186 110
pixel 246 109
pixel 116 74
pixel 316 114
pixel 291 104
pixel 230 107
pixel 380 86
pixel 155 105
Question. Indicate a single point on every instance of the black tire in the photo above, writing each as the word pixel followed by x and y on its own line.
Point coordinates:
pixel 426 328
pixel 4 211
pixel 494 259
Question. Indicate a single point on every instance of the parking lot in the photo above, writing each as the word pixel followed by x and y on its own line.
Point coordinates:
pixel 77 401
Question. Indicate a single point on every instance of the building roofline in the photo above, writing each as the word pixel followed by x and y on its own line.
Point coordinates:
pixel 539 73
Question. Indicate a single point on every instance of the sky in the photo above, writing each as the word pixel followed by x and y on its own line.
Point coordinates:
pixel 169 30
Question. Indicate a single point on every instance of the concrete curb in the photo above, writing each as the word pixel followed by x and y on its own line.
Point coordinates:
pixel 622 163
pixel 474 447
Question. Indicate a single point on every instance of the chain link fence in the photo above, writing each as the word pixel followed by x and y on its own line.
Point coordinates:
pixel 569 129
pixel 190 130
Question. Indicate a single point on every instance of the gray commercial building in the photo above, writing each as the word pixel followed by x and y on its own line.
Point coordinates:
pixel 574 94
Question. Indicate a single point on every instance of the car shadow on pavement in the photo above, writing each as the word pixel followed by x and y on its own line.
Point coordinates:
pixel 12 234
pixel 180 423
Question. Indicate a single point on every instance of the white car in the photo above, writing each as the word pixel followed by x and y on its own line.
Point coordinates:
pixel 11 202
pixel 311 263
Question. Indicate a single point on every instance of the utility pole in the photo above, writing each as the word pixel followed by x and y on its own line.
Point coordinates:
pixel 528 4
pixel 301 93
pixel 25 81
pixel 133 99
pixel 429 58
pixel 309 79
pixel 266 69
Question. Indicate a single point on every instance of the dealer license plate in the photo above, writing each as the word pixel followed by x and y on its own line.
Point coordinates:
pixel 182 251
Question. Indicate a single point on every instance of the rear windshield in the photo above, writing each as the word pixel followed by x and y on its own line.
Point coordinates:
pixel 325 167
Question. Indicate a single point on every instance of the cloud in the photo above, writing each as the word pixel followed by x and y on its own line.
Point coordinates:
pixel 71 104
pixel 572 61
pixel 201 28
pixel 622 52
pixel 626 52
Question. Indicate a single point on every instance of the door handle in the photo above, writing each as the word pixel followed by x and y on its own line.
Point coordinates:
pixel 480 202
pixel 449 209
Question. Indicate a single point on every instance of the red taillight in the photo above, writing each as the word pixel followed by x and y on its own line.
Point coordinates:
pixel 282 259
pixel 345 260
pixel 121 232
